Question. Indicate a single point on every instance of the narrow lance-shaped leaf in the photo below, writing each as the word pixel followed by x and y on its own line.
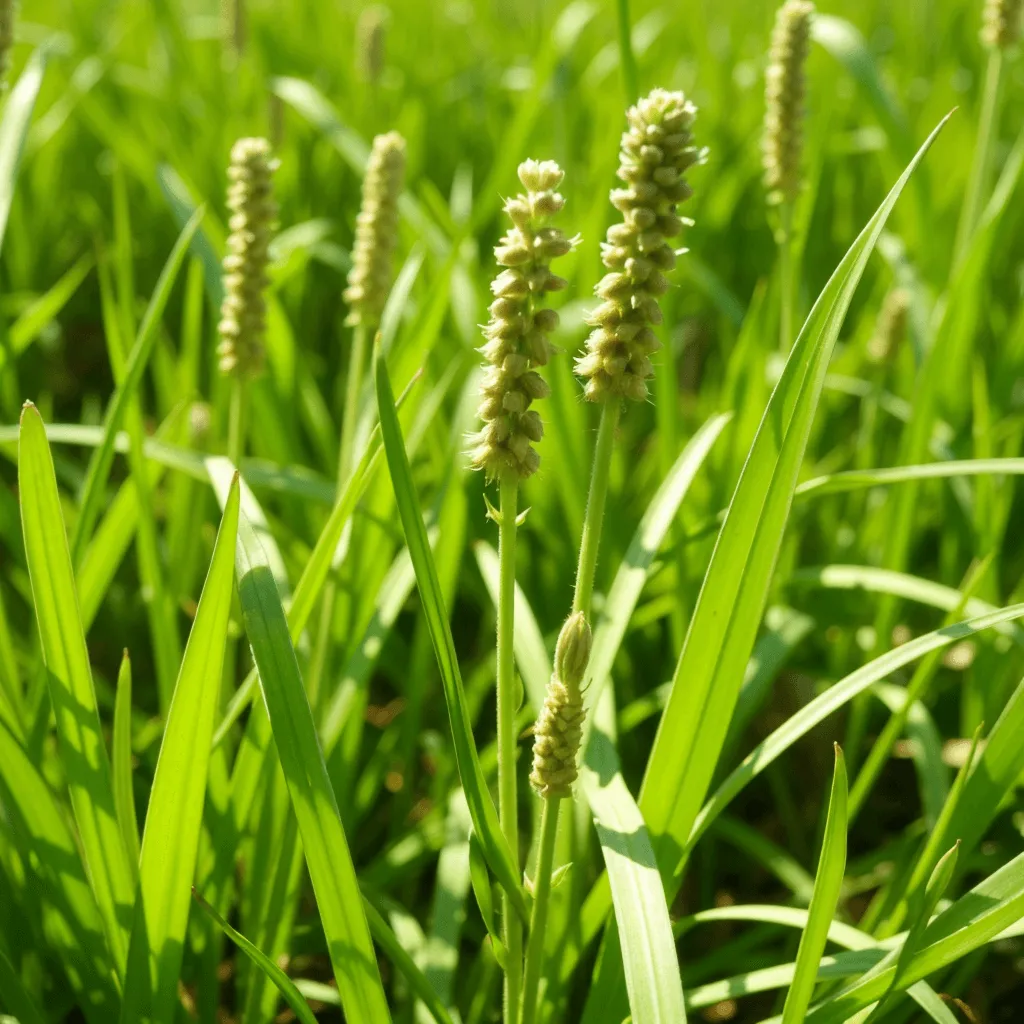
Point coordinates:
pixel 170 842
pixel 827 883
pixel 69 676
pixel 124 802
pixel 316 809
pixel 481 806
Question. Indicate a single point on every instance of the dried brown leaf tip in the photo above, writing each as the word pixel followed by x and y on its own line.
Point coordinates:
pixel 785 91
pixel 656 152
pixel 242 325
pixel 369 281
pixel 517 332
pixel 559 729
pixel 1001 25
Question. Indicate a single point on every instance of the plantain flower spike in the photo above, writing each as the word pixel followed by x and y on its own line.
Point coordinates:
pixel 785 89
pixel 371 37
pixel 891 328
pixel 1001 28
pixel 656 152
pixel 6 37
pixel 559 729
pixel 242 325
pixel 369 280
pixel 517 333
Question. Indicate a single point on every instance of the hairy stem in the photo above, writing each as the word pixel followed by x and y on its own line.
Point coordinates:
pixel 237 414
pixel 507 707
pixel 786 338
pixel 539 917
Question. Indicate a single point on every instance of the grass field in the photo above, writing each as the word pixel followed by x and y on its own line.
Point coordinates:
pixel 266 736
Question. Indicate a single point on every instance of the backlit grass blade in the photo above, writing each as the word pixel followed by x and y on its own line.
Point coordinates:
pixel 291 995
pixel 732 598
pixel 323 837
pixel 121 756
pixel 857 479
pixel 69 677
pixel 170 841
pixel 827 883
pixel 103 456
pixel 481 806
pixel 17 113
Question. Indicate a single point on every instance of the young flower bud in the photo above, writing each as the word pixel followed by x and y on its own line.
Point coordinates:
pixel 1001 27
pixel 253 214
pixel 559 728
pixel 6 37
pixel 785 88
pixel 518 330
pixel 891 328
pixel 371 37
pixel 369 280
pixel 656 151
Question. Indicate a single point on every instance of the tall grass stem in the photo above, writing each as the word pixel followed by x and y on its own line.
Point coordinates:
pixel 626 56
pixel 786 283
pixel 539 916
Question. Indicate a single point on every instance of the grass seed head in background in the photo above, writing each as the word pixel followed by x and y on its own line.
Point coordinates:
pixel 369 281
pixel 785 89
pixel 891 328
pixel 6 37
pixel 657 150
pixel 559 727
pixel 371 39
pixel 517 333
pixel 253 214
pixel 1001 27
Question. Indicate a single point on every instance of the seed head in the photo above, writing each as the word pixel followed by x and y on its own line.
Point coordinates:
pixel 369 281
pixel 6 37
pixel 1001 28
pixel 559 728
pixel 517 332
pixel 253 215
pixel 371 37
pixel 785 89
pixel 891 328
pixel 656 152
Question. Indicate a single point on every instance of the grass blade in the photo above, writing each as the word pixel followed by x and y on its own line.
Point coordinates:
pixel 316 809
pixel 69 676
pixel 14 997
pixel 291 995
pixel 13 128
pixel 170 841
pixel 827 883
pixel 481 806
pixel 124 802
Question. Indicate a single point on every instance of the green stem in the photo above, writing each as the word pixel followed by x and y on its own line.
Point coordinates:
pixel 626 56
pixel 591 539
pixel 350 413
pixel 506 687
pixel 539 917
pixel 977 184
pixel 236 421
pixel 786 278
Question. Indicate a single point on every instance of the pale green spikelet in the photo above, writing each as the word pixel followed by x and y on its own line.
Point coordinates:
pixel 559 729
pixel 891 328
pixel 785 90
pixel 242 325
pixel 517 333
pixel 371 40
pixel 656 152
pixel 1001 24
pixel 369 280
pixel 7 11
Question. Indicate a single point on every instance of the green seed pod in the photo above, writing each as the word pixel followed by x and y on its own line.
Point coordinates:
pixel 371 38
pixel 785 88
pixel 891 329
pixel 1001 28
pixel 517 333
pixel 656 152
pixel 6 37
pixel 253 215
pixel 369 280
pixel 559 728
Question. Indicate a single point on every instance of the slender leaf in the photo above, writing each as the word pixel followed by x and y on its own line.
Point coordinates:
pixel 17 114
pixel 121 757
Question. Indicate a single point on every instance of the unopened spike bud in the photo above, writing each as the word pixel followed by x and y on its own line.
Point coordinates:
pixel 785 90
pixel 572 652
pixel 656 152
pixel 242 325
pixel 1002 23
pixel 892 327
pixel 371 38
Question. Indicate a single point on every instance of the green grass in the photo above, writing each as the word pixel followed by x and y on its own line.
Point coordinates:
pixel 279 694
